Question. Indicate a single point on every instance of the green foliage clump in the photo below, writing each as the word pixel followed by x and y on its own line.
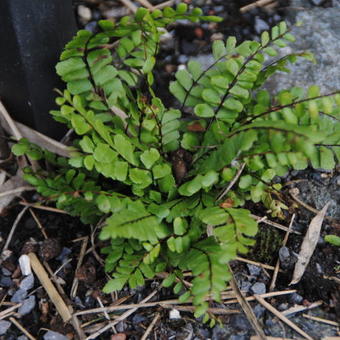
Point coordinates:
pixel 171 182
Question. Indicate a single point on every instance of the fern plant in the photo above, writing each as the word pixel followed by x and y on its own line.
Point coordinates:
pixel 171 182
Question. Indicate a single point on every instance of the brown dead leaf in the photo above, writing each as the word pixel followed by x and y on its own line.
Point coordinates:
pixel 196 127
pixel 228 203
pixel 308 245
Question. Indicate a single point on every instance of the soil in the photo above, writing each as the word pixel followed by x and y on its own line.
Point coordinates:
pixel 65 234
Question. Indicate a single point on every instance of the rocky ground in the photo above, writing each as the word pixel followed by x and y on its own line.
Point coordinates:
pixel 69 250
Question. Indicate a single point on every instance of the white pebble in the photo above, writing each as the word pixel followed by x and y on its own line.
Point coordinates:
pixel 25 265
pixel 85 13
pixel 174 314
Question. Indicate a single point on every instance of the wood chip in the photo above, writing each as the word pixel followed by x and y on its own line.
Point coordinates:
pixel 45 281
pixel 308 245
pixel 267 305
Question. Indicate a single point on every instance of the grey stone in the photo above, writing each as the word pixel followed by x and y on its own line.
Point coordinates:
pixel 220 333
pixel 282 306
pixel 258 288
pixel 182 59
pixel 284 255
pixel 254 270
pixel 22 337
pixel 50 335
pixel 295 298
pixel 5 281
pixel 320 35
pixel 259 311
pixel 4 325
pixel 260 25
pixel 6 272
pixel 27 283
pixel 204 59
pixel 27 305
pixel 245 286
pixel 239 337
pixel 63 256
pixel 121 326
pixel 239 322
pixel 19 296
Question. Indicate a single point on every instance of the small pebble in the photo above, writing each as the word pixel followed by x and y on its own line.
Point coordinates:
pixel 27 283
pixel 84 13
pixel 182 59
pixel 27 305
pixel 238 337
pixel 6 272
pixel 284 255
pixel 295 298
pixel 260 25
pixel 5 281
pixel 258 288
pixel 319 269
pixel 19 296
pixel 240 322
pixel 121 326
pixel 174 314
pixel 282 306
pixel 254 270
pixel 245 286
pixel 259 311
pixel 218 9
pixel 138 318
pixel 91 26
pixel 4 325
pixel 25 265
pixel 50 335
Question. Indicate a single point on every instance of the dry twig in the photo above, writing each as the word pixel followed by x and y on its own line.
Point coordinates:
pixel 246 307
pixel 50 289
pixel 277 266
pixel 300 308
pixel 231 184
pixel 315 318
pixel 42 229
pixel 151 326
pixel 20 327
pixel 11 233
pixel 224 296
pixel 120 318
pixel 259 3
pixel 79 263
pixel 282 317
